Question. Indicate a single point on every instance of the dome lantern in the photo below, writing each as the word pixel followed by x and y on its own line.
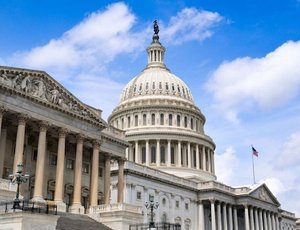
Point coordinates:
pixel 156 51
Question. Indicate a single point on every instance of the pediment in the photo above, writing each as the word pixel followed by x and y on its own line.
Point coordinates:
pixel 41 87
pixel 263 193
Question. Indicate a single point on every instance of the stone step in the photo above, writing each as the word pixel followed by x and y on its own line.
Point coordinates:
pixel 69 221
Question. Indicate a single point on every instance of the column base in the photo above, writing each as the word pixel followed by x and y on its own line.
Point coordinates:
pixel 76 208
pixel 61 206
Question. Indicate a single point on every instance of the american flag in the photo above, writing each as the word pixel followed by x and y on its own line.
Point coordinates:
pixel 254 152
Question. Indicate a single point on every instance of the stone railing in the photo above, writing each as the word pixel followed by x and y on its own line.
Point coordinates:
pixel 215 185
pixel 7 185
pixel 156 173
pixel 116 207
pixel 287 214
pixel 110 130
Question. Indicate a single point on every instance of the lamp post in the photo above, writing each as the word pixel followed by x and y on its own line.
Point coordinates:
pixel 151 205
pixel 18 178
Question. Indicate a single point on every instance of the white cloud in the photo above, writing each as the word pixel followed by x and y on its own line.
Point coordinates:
pixel 225 165
pixel 290 154
pixel 270 81
pixel 274 184
pixel 190 24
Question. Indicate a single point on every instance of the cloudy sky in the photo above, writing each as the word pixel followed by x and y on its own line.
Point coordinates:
pixel 241 60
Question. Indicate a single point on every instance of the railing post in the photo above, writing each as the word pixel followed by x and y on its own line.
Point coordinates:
pixel 47 208
pixel 32 208
pixel 6 207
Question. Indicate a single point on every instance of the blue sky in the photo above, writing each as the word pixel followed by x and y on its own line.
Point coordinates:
pixel 240 58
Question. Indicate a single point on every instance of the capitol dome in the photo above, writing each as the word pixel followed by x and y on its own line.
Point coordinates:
pixel 162 123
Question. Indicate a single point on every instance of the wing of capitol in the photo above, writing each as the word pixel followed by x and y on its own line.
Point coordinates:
pixel 151 162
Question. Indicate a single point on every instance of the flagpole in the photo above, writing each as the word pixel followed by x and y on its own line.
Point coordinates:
pixel 253 169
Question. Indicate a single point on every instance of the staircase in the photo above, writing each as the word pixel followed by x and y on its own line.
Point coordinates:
pixel 69 221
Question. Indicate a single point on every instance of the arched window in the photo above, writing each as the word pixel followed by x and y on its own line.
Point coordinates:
pixel 170 119
pixel 143 155
pixel 197 126
pixel 161 119
pixel 178 120
pixel 153 154
pixel 144 119
pixel 194 160
pixel 185 122
pixel 136 120
pixel 153 119
pixel 122 123
pixel 128 122
pixel 172 156
pixel 187 224
pixel 162 155
pixel 192 123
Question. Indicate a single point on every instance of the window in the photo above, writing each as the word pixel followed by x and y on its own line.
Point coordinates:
pixel 85 168
pixel 143 155
pixel 194 158
pixel 144 119
pixel 138 195
pixel 185 122
pixel 161 119
pixel 186 205
pixel 159 86
pixel 153 119
pixel 100 173
pixel 128 122
pixel 141 86
pixel 192 123
pixel 164 201
pixel 70 164
pixel 34 154
pixel 167 86
pixel 153 154
pixel 162 154
pixel 136 120
pixel 164 218
pixel 53 159
pixel 177 203
pixel 153 85
pixel 122 123
pixel 170 119
pixel 172 156
pixel 178 120
pixel 151 197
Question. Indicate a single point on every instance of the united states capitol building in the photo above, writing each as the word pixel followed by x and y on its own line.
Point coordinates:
pixel 153 147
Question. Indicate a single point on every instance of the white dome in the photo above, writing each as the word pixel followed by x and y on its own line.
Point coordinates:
pixel 156 82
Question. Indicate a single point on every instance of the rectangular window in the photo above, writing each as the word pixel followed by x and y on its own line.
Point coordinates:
pixel 53 159
pixel 138 195
pixel 100 172
pixel 70 164
pixel 186 206
pixel 143 155
pixel 85 168
pixel 177 203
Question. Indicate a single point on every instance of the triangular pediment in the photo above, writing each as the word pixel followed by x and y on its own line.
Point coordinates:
pixel 41 87
pixel 262 192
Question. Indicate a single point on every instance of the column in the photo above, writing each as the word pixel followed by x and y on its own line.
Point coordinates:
pixel 225 227
pixel 59 178
pixel 219 216
pixel 2 150
pixel 137 155
pixel 269 220
pixel 18 159
pixel 201 216
pixel 261 226
pixel 76 205
pixel 169 154
pixel 203 158
pixel 230 217
pixel 189 155
pixel 121 181
pixel 273 221
pixel 95 174
pixel 2 111
pixel 247 224
pixel 213 215
pixel 179 154
pixel 40 164
pixel 265 221
pixel 107 180
pixel 147 153
pixel 209 160
pixel 251 218
pixel 277 222
pixel 213 162
pixel 197 157
pixel 235 220
pixel 127 153
pixel 256 219
pixel 157 153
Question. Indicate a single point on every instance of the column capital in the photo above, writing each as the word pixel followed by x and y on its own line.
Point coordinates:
pixel 3 110
pixel 212 200
pixel 44 125
pixel 80 137
pixel 245 205
pixel 97 143
pixel 22 119
pixel 62 132
pixel 121 160
pixel 107 156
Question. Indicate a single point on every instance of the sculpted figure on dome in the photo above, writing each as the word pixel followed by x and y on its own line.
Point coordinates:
pixel 155 27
